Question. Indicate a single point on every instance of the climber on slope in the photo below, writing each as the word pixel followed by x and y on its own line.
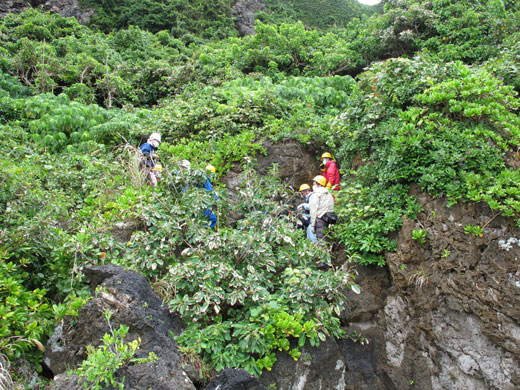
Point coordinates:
pixel 149 159
pixel 330 171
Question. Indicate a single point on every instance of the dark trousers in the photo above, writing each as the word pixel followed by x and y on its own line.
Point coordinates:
pixel 318 228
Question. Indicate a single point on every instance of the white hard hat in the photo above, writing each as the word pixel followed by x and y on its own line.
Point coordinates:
pixel 155 136
pixel 185 164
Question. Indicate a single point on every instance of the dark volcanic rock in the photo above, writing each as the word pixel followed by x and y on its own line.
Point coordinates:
pixel 235 379
pixel 244 14
pixel 132 302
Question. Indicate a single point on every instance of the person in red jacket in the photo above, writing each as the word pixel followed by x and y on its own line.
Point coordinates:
pixel 330 171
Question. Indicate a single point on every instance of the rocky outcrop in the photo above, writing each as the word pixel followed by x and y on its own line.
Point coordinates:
pixel 244 14
pixel 65 8
pixel 69 8
pixel 456 311
pixel 295 166
pixel 235 379
pixel 443 315
pixel 132 302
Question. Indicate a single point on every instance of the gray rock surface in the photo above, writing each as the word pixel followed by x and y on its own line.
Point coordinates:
pixel 65 8
pixel 244 14
pixel 132 302
pixel 235 379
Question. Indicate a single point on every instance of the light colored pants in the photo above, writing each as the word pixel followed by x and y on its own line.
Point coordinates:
pixel 311 235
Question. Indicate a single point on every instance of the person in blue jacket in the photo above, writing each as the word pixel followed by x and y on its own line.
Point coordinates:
pixel 185 164
pixel 306 193
pixel 149 158
pixel 209 187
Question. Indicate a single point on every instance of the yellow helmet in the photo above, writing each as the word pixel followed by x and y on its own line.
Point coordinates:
pixel 321 180
pixel 210 168
pixel 304 187
pixel 326 155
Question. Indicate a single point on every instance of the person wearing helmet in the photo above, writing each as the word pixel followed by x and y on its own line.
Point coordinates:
pixel 149 158
pixel 330 171
pixel 320 203
pixel 304 218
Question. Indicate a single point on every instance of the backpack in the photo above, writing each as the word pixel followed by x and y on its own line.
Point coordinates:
pixel 330 218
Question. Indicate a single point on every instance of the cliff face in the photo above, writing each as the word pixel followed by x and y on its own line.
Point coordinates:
pixel 454 317
pixel 244 14
pixel 66 8
pixel 443 315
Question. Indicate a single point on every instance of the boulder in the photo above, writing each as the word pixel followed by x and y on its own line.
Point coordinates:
pixel 132 302
pixel 235 379
pixel 244 14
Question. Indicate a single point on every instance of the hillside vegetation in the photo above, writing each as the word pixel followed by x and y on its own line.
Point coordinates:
pixel 425 93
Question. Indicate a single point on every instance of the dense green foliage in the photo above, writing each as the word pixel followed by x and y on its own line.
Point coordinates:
pixel 316 14
pixel 424 94
pixel 189 20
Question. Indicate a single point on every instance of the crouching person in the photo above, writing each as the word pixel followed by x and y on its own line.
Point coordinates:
pixel 321 206
pixel 304 216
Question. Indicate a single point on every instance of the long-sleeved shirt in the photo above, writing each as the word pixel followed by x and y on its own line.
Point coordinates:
pixel 320 202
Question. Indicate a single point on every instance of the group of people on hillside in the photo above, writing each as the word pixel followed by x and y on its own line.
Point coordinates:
pixel 151 171
pixel 318 208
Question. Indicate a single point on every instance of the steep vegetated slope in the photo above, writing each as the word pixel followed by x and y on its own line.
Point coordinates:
pixel 433 103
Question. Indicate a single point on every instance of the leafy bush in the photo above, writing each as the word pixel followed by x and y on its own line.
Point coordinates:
pixel 25 314
pixel 451 141
pixel 245 292
pixel 180 17
pixel 319 15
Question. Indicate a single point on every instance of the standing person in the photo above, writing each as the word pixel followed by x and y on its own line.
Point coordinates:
pixel 149 158
pixel 209 187
pixel 305 219
pixel 330 171
pixel 320 203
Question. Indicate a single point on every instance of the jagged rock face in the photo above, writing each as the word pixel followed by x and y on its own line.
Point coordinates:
pixel 65 8
pixel 442 315
pixel 15 6
pixel 235 379
pixel 69 8
pixel 458 302
pixel 244 14
pixel 132 302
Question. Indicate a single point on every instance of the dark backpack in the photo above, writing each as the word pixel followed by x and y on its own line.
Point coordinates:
pixel 330 218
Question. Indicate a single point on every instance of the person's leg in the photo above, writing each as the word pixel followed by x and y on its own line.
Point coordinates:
pixel 212 218
pixel 320 225
pixel 152 179
pixel 310 234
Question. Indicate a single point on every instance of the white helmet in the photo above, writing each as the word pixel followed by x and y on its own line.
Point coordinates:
pixel 185 164
pixel 155 136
